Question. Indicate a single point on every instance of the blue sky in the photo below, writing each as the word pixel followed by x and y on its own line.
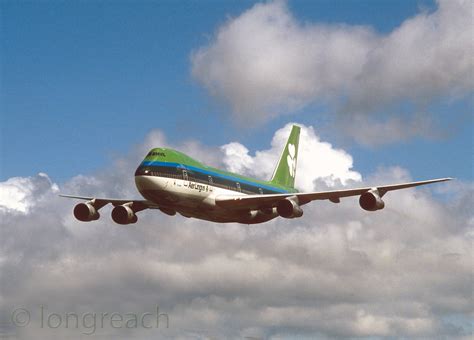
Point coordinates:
pixel 82 81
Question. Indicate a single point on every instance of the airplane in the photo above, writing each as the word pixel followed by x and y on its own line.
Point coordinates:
pixel 173 182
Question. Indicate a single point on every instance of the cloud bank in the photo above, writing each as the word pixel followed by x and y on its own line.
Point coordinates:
pixel 266 62
pixel 338 272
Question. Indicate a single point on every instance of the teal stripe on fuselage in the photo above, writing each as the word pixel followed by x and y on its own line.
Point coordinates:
pixel 213 174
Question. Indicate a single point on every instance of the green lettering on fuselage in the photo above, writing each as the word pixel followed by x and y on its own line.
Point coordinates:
pixel 156 153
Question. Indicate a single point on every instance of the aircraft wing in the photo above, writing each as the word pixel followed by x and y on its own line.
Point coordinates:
pixel 138 204
pixel 263 201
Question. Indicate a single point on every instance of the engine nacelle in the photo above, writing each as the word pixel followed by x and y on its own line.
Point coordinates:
pixel 86 212
pixel 123 214
pixel 288 208
pixel 371 201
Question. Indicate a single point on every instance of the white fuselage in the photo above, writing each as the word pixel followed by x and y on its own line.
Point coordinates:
pixel 192 199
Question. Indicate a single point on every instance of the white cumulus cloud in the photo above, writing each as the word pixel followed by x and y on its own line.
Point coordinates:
pixel 317 160
pixel 20 194
pixel 266 62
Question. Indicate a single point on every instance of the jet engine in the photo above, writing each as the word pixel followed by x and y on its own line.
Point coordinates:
pixel 86 212
pixel 288 208
pixel 371 201
pixel 123 214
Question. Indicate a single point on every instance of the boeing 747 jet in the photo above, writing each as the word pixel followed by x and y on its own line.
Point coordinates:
pixel 173 182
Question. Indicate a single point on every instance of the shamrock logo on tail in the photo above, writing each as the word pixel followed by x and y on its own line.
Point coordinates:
pixel 291 160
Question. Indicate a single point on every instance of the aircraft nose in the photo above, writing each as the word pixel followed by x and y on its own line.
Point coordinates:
pixel 147 182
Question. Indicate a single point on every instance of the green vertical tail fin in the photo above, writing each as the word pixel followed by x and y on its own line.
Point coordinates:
pixel 285 170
